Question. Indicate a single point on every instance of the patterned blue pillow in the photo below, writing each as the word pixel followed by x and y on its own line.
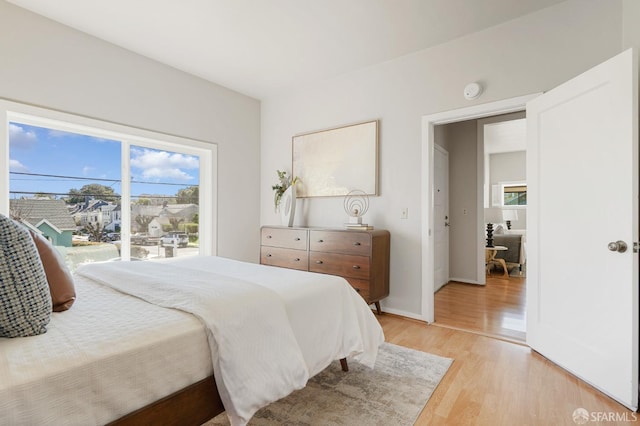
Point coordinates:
pixel 25 301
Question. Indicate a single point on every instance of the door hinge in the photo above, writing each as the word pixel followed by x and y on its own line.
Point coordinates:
pixel 636 246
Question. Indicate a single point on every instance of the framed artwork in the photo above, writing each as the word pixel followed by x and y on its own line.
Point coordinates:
pixel 335 161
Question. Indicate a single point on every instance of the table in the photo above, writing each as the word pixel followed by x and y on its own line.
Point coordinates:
pixel 490 258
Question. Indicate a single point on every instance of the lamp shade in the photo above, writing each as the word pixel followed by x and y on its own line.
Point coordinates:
pixel 509 215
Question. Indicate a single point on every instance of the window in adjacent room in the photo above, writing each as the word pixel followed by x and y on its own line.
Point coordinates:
pixel 514 194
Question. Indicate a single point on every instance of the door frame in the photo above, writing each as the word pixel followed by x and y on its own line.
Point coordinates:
pixel 427 183
pixel 445 252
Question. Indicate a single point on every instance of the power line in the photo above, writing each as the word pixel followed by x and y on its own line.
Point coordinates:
pixel 65 177
pixel 93 179
pixel 89 195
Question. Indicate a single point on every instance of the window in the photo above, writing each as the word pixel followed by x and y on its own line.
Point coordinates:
pixel 101 191
pixel 514 195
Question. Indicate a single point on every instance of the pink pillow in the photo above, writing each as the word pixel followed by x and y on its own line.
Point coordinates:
pixel 61 287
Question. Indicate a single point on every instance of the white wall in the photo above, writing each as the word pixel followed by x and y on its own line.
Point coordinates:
pixel 47 64
pixel 523 56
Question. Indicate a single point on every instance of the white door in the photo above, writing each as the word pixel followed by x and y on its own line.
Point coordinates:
pixel 582 175
pixel 441 217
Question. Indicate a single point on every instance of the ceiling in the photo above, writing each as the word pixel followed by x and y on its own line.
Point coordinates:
pixel 260 47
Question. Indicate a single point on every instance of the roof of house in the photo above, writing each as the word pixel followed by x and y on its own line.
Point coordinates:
pixel 170 209
pixel 35 211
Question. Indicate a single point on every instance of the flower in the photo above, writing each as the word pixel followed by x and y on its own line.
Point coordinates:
pixel 284 182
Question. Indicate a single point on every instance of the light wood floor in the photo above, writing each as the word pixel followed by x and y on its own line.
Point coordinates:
pixel 494 382
pixel 495 309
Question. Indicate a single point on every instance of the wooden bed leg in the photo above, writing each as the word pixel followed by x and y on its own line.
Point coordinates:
pixel 378 308
pixel 343 363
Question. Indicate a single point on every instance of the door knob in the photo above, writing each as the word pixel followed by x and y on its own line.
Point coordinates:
pixel 619 246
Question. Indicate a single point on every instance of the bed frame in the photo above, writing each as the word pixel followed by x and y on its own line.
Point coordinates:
pixel 191 406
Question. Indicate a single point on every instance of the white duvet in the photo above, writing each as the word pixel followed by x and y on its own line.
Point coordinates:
pixel 269 329
pixel 107 356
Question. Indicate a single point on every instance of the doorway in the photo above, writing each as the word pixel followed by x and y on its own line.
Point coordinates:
pixel 592 313
pixel 428 177
pixel 487 153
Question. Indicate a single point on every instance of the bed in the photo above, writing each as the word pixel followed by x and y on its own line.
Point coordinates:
pixel 145 344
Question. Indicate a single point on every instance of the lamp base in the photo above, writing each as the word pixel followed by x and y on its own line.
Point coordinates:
pixel 489 235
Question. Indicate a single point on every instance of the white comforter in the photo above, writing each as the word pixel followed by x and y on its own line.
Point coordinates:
pixel 269 329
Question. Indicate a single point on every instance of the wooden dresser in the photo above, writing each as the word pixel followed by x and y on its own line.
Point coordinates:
pixel 361 257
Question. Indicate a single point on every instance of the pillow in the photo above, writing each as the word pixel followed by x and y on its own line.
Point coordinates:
pixel 61 287
pixel 25 301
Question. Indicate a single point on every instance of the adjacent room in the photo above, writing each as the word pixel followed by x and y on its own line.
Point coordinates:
pixel 329 213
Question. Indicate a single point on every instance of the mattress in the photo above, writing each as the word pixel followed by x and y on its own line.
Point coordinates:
pixel 100 360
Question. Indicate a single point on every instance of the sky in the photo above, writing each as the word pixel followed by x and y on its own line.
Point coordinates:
pixel 82 160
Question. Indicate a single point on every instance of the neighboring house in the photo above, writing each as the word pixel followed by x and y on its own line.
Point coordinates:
pixel 104 213
pixel 155 228
pixel 49 217
pixel 163 214
pixel 116 219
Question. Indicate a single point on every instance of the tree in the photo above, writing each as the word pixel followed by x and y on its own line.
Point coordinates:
pixel 189 195
pixel 44 195
pixel 143 222
pixel 19 211
pixel 175 222
pixel 94 230
pixel 93 190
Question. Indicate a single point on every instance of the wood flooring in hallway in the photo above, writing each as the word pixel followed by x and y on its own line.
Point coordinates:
pixel 496 309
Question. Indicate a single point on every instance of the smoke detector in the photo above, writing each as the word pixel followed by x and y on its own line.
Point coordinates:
pixel 472 91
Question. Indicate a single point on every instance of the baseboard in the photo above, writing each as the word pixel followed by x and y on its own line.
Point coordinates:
pixel 466 281
pixel 403 313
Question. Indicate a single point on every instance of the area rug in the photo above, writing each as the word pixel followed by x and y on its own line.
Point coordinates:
pixel 393 393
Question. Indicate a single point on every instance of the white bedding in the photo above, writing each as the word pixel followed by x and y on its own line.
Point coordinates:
pixel 102 359
pixel 326 317
pixel 250 311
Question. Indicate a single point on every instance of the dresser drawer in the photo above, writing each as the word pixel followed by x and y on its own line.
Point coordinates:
pixel 359 284
pixel 347 242
pixel 285 258
pixel 284 237
pixel 363 293
pixel 339 264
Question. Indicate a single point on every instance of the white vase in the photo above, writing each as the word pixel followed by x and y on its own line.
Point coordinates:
pixel 288 206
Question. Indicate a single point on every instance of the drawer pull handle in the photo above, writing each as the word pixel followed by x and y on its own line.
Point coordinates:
pixel 296 239
pixel 356 243
pixel 297 259
pixel 319 262
pixel 321 241
pixel 268 236
pixel 268 254
pixel 356 267
pixel 358 290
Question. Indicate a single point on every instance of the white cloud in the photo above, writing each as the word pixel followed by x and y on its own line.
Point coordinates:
pixel 16 166
pixel 86 170
pixel 163 164
pixel 21 138
pixel 53 133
